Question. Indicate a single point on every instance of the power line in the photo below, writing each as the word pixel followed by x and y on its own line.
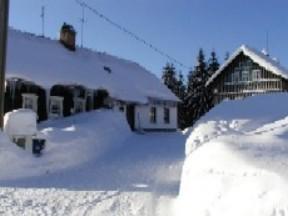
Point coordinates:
pixel 82 20
pixel 131 34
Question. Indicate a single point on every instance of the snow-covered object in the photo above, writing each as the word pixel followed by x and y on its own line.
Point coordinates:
pixel 70 142
pixel 46 62
pixel 20 122
pixel 237 160
pixel 258 57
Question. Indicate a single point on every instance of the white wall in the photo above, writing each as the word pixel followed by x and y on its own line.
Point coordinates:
pixel 142 117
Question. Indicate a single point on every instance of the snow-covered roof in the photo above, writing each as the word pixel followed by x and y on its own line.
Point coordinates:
pixel 46 62
pixel 258 57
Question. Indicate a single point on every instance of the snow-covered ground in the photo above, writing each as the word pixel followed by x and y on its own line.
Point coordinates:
pixel 93 165
pixel 237 160
pixel 236 164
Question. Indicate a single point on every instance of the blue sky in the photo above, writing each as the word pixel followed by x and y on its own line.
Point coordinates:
pixel 178 27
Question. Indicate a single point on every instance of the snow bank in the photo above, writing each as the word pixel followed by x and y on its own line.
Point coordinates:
pixel 70 142
pixel 237 160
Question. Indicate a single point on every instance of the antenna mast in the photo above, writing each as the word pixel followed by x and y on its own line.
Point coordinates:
pixel 267 42
pixel 43 19
pixel 82 20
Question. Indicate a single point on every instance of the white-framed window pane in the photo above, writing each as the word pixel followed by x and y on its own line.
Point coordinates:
pixel 256 74
pixel 236 76
pixel 56 106
pixel 29 101
pixel 245 75
pixel 79 105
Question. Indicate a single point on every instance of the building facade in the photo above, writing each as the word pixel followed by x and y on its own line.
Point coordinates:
pixel 247 72
pixel 57 79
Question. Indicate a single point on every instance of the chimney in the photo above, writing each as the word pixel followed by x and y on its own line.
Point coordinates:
pixel 68 36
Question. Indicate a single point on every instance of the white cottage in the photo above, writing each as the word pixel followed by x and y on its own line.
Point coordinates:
pixel 72 80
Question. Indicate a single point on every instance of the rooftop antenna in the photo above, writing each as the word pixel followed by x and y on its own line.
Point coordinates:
pixel 42 15
pixel 267 43
pixel 82 20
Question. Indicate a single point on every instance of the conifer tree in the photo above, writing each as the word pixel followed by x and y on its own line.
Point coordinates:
pixel 197 101
pixel 181 94
pixel 213 64
pixel 169 77
pixel 177 86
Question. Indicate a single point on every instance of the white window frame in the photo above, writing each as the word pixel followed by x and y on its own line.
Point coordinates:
pixel 79 105
pixel 30 101
pixel 58 101
pixel 236 76
pixel 245 75
pixel 256 74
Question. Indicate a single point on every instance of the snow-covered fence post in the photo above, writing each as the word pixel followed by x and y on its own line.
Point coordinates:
pixel 4 11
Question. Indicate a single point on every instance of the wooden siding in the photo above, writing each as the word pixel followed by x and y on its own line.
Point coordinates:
pixel 244 78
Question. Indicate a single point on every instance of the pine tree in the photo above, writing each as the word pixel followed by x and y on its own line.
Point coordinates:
pixel 181 107
pixel 169 77
pixel 213 64
pixel 197 100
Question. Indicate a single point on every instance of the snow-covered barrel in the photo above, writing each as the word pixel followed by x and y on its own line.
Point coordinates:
pixel 21 127
pixel 20 122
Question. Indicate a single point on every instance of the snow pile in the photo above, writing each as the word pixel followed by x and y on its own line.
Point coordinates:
pixel 71 142
pixel 46 62
pixel 237 160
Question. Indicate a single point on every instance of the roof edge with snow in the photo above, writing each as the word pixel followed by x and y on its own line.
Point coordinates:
pixel 258 57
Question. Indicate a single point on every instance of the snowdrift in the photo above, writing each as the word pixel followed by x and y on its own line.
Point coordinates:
pixel 71 142
pixel 237 160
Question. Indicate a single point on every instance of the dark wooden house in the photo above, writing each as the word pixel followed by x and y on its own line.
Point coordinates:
pixel 247 72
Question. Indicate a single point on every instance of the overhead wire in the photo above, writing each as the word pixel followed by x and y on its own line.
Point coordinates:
pixel 130 33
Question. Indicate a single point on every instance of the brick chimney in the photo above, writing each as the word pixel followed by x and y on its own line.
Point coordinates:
pixel 68 36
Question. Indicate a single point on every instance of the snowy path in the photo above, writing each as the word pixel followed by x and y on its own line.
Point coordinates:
pixel 130 181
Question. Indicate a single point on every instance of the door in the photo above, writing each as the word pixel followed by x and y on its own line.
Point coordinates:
pixel 130 115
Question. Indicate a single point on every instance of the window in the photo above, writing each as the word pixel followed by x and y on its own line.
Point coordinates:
pixel 245 75
pixel 166 115
pixel 29 101
pixel 256 74
pixel 236 76
pixel 56 106
pixel 79 105
pixel 153 115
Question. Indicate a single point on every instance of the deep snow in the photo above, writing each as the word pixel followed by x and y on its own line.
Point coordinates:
pixel 237 160
pixel 236 164
pixel 95 166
